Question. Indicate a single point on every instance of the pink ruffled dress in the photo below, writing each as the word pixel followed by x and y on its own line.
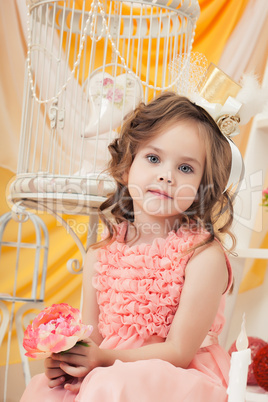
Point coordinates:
pixel 138 290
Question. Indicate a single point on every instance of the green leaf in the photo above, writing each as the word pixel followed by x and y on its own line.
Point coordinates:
pixel 77 343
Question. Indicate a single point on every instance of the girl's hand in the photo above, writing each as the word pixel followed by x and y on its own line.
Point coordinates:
pixel 54 373
pixel 80 360
pixel 74 387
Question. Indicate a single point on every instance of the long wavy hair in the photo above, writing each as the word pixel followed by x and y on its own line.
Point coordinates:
pixel 212 208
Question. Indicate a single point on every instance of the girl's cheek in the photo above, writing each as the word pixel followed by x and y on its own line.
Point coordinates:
pixel 185 193
pixel 184 198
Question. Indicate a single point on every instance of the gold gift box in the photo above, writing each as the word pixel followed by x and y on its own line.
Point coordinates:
pixel 216 86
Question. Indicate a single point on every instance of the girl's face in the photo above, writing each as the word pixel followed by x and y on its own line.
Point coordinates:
pixel 166 173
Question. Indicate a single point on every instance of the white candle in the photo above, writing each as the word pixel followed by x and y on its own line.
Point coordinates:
pixel 240 361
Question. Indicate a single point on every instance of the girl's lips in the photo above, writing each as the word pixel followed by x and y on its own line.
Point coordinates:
pixel 161 194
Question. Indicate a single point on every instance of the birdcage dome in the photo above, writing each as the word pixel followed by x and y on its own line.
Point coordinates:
pixel 89 64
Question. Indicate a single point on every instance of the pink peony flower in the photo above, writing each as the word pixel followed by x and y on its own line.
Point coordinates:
pixel 55 329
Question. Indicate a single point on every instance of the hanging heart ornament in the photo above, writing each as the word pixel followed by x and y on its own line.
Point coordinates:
pixel 110 100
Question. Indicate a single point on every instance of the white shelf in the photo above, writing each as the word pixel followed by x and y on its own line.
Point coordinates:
pixel 256 394
pixel 261 253
pixel 262 122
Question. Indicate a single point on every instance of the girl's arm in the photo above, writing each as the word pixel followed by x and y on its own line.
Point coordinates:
pixel 205 282
pixel 90 308
pixel 55 374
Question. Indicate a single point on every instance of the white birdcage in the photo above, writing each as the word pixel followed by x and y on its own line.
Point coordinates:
pixel 90 63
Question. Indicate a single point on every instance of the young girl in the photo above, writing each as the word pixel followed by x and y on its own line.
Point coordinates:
pixel 154 288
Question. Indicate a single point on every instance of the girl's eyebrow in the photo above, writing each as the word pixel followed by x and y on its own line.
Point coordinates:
pixel 191 159
pixel 155 149
pixel 185 157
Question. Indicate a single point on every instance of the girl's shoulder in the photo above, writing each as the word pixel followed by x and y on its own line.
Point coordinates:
pixel 212 257
pixel 206 253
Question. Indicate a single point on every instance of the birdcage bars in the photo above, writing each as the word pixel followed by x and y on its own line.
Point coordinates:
pixel 86 69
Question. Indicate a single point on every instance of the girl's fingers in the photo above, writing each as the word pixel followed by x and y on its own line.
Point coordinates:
pixel 73 387
pixel 77 350
pixel 78 371
pixel 51 363
pixel 72 359
pixel 56 382
pixel 54 373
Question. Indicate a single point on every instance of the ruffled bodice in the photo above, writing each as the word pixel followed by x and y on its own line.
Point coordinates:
pixel 139 287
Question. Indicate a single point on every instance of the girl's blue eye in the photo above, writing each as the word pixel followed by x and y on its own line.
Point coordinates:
pixel 153 158
pixel 186 169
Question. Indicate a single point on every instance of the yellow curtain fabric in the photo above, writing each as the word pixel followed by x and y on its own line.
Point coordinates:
pixel 217 20
pixel 216 23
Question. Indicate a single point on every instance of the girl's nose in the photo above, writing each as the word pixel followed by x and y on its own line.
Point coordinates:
pixel 165 177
